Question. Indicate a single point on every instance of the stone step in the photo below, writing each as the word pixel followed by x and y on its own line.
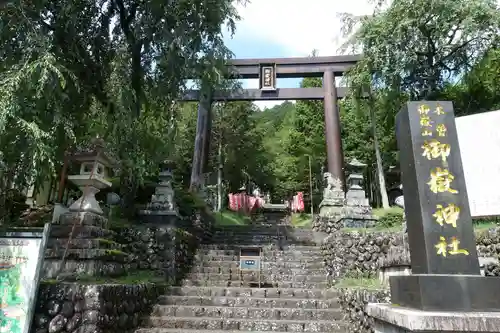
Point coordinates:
pixel 281 259
pixel 262 243
pixel 241 324
pixel 305 253
pixel 225 312
pixel 252 302
pixel 317 264
pixel 249 231
pixel 253 276
pixel 248 228
pixel 247 241
pixel 269 268
pixel 177 330
pixel 269 259
pixel 264 284
pixel 237 247
pixel 255 292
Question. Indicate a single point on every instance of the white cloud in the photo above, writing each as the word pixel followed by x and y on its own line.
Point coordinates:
pixel 297 25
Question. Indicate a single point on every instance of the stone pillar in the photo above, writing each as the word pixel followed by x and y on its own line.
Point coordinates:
pixel 445 292
pixel 335 155
pixel 201 143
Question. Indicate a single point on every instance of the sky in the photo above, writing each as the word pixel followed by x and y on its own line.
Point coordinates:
pixel 290 28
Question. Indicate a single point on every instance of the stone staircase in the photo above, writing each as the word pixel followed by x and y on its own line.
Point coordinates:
pixel 215 298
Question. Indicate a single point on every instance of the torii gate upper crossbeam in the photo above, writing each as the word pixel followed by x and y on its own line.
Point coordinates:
pixel 268 71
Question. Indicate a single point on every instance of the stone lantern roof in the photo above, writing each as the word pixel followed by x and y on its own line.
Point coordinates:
pixel 92 149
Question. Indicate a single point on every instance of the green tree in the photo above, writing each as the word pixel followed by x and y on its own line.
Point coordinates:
pixel 73 69
pixel 413 50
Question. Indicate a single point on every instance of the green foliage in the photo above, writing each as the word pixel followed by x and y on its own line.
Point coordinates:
pixel 188 203
pixel 359 281
pixel 73 70
pixel 224 218
pixel 132 278
pixel 416 47
pixel 391 220
pixel 301 220
pixel 14 204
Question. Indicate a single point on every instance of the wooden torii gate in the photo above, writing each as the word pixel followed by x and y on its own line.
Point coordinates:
pixel 268 71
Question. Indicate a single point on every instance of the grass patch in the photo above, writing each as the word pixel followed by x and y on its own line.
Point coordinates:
pixel 374 229
pixel 231 218
pixel 301 220
pixel 381 212
pixel 119 222
pixel 485 226
pixel 362 283
pixel 478 227
pixel 138 277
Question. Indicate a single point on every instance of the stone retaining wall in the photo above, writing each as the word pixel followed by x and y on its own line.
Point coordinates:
pixel 327 224
pixel 353 302
pixel 355 253
pixel 488 246
pixel 164 251
pixel 79 308
pixel 361 254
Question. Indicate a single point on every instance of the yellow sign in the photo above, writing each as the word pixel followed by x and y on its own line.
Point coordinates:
pixel 423 109
pixel 439 110
pixel 441 130
pixel 434 149
pixel 443 248
pixel 440 181
pixel 425 121
pixel 448 215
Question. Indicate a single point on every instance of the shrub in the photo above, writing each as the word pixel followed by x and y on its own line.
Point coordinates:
pixel 188 203
pixel 391 219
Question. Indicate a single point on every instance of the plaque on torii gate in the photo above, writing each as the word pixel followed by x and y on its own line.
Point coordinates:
pixel 267 79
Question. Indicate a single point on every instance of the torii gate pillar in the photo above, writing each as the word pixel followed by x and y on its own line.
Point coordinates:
pixel 202 139
pixel 334 152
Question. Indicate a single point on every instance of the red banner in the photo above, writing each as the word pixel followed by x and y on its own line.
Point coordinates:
pixel 298 202
pixel 245 203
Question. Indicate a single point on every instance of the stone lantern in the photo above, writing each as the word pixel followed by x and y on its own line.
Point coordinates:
pixel 355 192
pixel 161 210
pixel 357 211
pixel 94 167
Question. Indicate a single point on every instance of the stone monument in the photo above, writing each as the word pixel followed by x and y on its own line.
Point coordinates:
pixel 333 196
pixel 357 212
pixel 330 208
pixel 161 209
pixel 445 292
